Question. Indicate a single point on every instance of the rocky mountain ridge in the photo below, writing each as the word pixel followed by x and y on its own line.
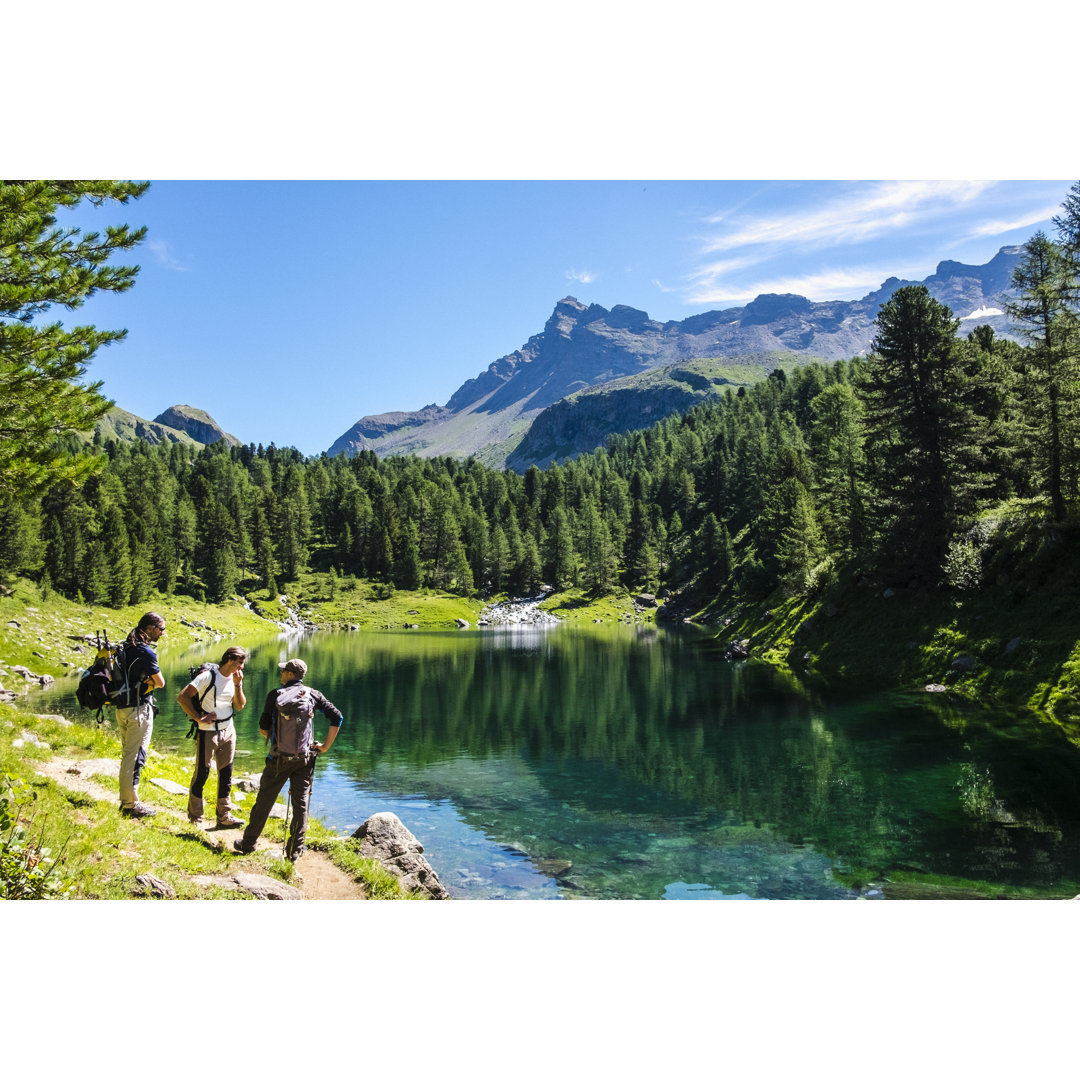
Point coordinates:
pixel 586 346
pixel 177 424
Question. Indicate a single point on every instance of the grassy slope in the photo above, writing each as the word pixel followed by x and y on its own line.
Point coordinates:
pixel 44 633
pixel 1019 631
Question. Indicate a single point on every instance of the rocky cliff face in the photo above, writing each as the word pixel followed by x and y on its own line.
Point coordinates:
pixel 201 426
pixel 586 346
pixel 364 434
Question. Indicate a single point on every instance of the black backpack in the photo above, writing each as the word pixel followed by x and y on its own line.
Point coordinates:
pixel 103 682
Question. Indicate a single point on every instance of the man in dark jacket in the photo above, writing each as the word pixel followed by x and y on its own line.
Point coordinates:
pixel 135 709
pixel 288 722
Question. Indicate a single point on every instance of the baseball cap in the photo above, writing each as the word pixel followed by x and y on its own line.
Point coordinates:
pixel 297 667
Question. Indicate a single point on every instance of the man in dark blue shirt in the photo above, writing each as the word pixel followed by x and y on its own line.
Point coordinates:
pixel 135 711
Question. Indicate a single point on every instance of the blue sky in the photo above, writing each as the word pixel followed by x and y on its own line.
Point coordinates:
pixel 289 309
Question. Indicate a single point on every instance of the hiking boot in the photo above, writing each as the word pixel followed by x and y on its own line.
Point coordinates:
pixel 240 849
pixel 194 820
pixel 228 821
pixel 139 810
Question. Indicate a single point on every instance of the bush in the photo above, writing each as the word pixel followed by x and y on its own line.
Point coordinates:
pixel 26 870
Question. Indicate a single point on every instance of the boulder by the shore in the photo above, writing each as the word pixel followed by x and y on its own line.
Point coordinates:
pixel 385 838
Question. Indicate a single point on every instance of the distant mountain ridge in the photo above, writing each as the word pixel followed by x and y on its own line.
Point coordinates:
pixel 586 346
pixel 177 424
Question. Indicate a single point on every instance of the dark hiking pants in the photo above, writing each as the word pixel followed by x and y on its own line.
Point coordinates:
pixel 298 772
pixel 213 748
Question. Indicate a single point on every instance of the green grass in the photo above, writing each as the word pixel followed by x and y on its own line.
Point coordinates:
pixel 103 852
pixel 914 885
pixel 50 628
pixel 354 602
pixel 577 605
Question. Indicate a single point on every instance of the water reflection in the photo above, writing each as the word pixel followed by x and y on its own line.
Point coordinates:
pixel 611 762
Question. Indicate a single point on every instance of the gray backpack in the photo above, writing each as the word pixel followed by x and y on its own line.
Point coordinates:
pixel 295 710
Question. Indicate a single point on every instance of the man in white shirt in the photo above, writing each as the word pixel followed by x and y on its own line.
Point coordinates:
pixel 211 699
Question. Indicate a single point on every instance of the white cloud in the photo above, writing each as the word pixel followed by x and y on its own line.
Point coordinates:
pixel 841 284
pixel 161 252
pixel 584 276
pixel 726 266
pixel 997 228
pixel 862 215
pixel 864 212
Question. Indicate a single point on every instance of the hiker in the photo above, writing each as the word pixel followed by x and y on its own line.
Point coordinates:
pixel 221 686
pixel 135 715
pixel 287 721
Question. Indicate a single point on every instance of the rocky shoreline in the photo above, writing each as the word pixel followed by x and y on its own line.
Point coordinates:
pixel 523 612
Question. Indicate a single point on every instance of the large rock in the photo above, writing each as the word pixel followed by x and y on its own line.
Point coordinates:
pixel 384 837
pixel 149 885
pixel 44 681
pixel 263 887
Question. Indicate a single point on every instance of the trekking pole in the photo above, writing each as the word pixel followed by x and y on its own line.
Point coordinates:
pixel 285 837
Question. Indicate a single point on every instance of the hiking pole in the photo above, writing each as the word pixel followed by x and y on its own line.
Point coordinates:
pixel 285 836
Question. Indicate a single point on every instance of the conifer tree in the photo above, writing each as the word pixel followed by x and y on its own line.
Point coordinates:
pixel 42 265
pixel 408 571
pixel 559 564
pixel 919 431
pixel 1044 280
pixel 598 554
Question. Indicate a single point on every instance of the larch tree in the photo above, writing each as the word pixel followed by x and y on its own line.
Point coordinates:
pixel 1043 280
pixel 921 454
pixel 43 265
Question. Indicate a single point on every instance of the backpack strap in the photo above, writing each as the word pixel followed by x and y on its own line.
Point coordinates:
pixel 214 672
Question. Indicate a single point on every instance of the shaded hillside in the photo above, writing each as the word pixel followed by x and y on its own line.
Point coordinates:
pixel 584 346
pixel 581 422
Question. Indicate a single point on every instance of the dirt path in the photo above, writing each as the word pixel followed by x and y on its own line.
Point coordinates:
pixel 320 878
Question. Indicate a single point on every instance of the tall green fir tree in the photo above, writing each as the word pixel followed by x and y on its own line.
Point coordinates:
pixel 1043 279
pixel 45 265
pixel 922 445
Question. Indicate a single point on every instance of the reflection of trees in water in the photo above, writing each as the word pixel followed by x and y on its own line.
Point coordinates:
pixel 874 785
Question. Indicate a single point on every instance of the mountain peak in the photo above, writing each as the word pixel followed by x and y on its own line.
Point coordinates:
pixel 200 425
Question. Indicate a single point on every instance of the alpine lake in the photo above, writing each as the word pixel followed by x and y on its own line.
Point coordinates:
pixel 631 762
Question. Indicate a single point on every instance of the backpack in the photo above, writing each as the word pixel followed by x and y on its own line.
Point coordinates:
pixel 293 714
pixel 195 671
pixel 104 682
